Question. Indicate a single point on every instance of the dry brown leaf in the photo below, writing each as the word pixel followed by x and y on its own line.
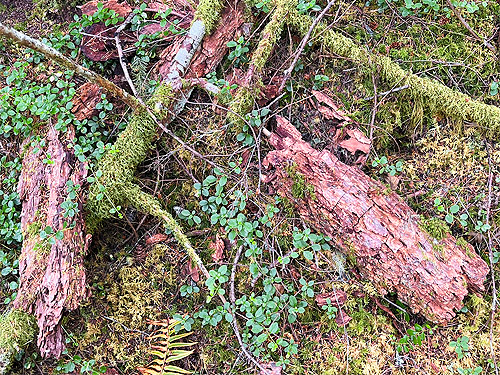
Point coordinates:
pixel 122 9
pixel 157 238
pixel 333 112
pixel 337 298
pixel 191 270
pixel 342 318
pixel 218 249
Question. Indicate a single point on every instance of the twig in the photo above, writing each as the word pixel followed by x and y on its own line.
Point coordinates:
pixel 302 45
pixel 236 328
pixel 490 255
pixel 471 30
pixel 25 40
pixel 120 53
pixel 385 93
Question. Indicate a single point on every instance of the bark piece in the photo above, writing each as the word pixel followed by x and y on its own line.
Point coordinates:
pixel 122 9
pixel 213 48
pixel 52 276
pixel 84 102
pixel 374 227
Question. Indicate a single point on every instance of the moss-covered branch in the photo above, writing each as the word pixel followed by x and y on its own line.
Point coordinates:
pixel 434 95
pixel 17 329
pixel 243 100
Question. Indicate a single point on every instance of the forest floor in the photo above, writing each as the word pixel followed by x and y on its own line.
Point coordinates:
pixel 138 275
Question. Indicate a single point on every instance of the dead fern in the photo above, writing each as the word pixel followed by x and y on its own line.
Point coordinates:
pixel 165 349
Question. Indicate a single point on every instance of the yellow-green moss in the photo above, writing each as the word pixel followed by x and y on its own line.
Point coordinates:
pixel 436 228
pixel 209 12
pixel 436 97
pixel 240 106
pixel 17 329
pixel 300 188
pixel 117 166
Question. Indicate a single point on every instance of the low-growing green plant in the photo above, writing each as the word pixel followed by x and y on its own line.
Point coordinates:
pixel 385 167
pixel 263 5
pixel 305 6
pixel 238 52
pixel 414 337
pixel 254 121
pixel 461 346
pixel 262 312
pixel 319 81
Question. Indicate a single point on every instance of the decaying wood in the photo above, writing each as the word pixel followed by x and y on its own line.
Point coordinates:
pixel 52 276
pixel 213 48
pixel 374 227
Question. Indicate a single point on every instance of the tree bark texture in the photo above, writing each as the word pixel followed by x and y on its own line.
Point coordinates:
pixel 375 227
pixel 52 275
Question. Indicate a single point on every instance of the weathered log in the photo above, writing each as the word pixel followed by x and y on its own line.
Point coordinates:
pixel 374 227
pixel 52 275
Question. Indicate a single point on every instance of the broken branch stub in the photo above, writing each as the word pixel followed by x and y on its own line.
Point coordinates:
pixel 373 227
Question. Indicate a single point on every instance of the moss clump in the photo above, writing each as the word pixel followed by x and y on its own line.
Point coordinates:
pixel 17 329
pixel 300 188
pixel 436 228
pixel 209 12
pixel 117 167
pixel 241 105
pixel 137 293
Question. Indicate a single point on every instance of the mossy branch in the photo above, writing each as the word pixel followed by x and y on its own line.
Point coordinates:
pixel 437 97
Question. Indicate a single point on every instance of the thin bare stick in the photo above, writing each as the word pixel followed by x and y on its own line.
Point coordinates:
pixel 494 300
pixel 471 30
pixel 49 52
pixel 302 45
pixel 236 328
pixel 120 53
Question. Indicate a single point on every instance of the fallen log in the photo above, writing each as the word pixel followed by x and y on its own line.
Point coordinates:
pixel 374 227
pixel 52 275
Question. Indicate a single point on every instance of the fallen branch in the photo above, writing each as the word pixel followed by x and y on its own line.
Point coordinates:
pixel 437 97
pixel 52 54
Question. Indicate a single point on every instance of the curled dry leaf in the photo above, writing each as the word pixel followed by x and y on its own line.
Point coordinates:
pixel 331 111
pixel 97 45
pixel 157 238
pixel 191 270
pixel 337 298
pixel 342 318
pixel 218 249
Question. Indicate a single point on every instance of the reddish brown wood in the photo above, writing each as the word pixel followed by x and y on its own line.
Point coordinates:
pixel 52 277
pixel 375 227
pixel 213 48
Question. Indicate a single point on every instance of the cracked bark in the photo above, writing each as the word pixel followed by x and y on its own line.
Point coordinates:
pixel 52 276
pixel 376 228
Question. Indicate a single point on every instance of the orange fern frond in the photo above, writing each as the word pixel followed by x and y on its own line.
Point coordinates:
pixel 165 349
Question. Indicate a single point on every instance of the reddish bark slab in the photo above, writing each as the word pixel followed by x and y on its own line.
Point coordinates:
pixel 378 229
pixel 213 48
pixel 52 276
